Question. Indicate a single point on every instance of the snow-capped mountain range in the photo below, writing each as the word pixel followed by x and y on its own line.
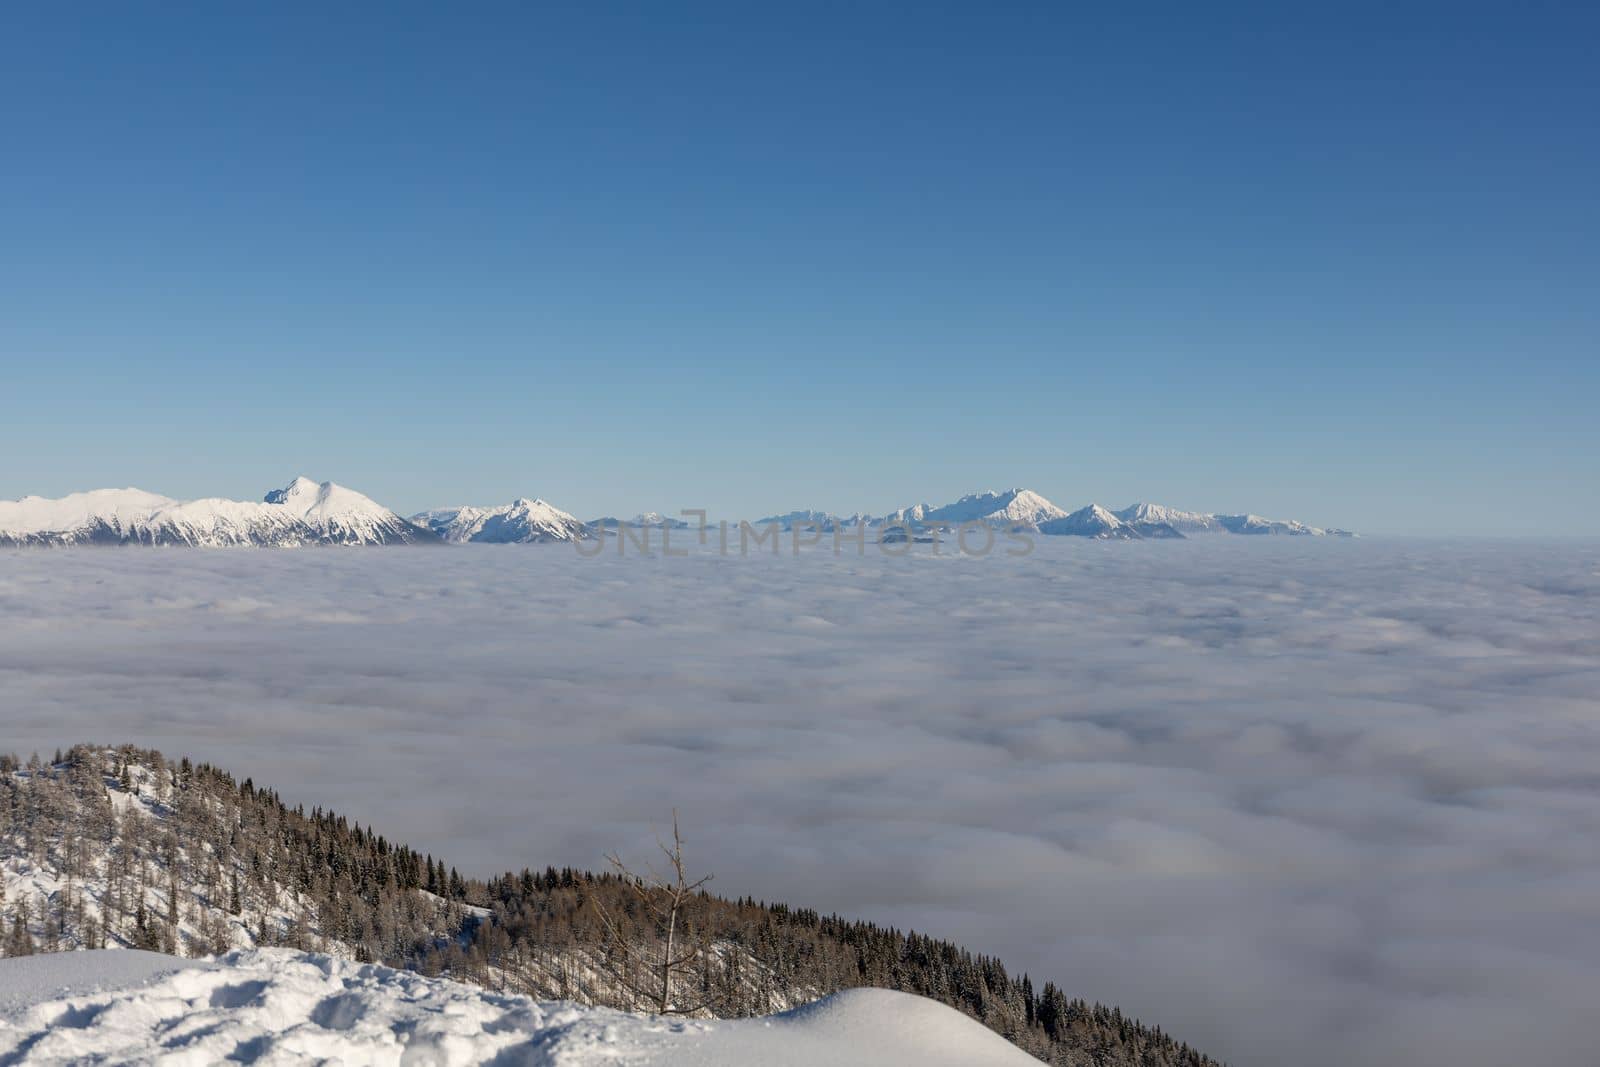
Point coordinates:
pixel 311 513
pixel 1024 509
pixel 302 513
pixel 524 521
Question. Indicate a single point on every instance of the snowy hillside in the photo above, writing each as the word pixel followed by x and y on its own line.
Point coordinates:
pixel 302 513
pixel 109 850
pixel 280 1006
pixel 145 858
pixel 523 521
pixel 123 849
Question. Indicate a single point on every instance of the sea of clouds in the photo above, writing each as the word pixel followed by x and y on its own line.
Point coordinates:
pixel 1305 802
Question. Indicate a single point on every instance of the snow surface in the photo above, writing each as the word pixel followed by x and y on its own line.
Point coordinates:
pixel 26 981
pixel 281 1006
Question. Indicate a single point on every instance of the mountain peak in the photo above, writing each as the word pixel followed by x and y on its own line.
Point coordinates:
pixel 1159 514
pixel 301 488
pixel 1094 521
pixel 1014 507
pixel 526 520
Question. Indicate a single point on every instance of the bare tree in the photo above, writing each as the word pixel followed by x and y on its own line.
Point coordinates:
pixel 666 897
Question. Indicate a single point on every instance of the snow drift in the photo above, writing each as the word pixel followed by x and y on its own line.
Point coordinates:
pixel 281 1006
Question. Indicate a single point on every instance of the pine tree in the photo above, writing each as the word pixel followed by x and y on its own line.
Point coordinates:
pixel 20 942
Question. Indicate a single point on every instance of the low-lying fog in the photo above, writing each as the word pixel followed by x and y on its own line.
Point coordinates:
pixel 1307 802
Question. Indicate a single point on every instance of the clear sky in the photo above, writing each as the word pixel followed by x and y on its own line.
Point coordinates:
pixel 1334 262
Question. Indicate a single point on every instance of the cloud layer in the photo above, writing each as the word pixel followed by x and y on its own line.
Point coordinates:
pixel 1322 803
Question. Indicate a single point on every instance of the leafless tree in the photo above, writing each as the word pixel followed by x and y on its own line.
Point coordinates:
pixel 666 897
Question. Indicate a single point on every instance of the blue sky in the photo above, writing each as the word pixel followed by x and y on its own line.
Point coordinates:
pixel 1338 264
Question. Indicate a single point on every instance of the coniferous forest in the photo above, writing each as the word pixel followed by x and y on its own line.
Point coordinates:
pixel 106 847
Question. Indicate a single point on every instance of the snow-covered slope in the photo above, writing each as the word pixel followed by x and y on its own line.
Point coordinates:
pixel 523 521
pixel 283 1006
pixel 302 513
pixel 140 808
pixel 112 849
pixel 29 980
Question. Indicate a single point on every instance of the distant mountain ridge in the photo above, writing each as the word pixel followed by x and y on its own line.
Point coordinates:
pixel 643 520
pixel 1024 509
pixel 306 512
